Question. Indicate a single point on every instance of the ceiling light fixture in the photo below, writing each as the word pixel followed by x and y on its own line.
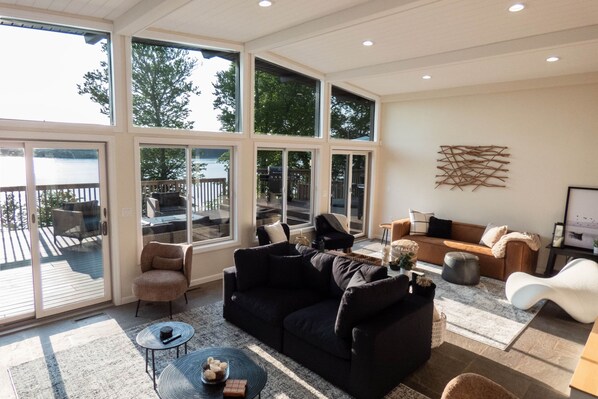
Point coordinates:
pixel 367 43
pixel 426 77
pixel 264 3
pixel 552 58
pixel 517 7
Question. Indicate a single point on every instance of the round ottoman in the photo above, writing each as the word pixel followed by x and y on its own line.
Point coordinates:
pixel 461 268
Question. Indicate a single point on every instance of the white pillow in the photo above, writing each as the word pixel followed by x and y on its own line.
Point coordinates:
pixel 492 234
pixel 419 222
pixel 276 232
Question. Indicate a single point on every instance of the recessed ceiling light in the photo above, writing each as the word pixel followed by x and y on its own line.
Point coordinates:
pixel 367 43
pixel 552 58
pixel 426 77
pixel 264 3
pixel 517 7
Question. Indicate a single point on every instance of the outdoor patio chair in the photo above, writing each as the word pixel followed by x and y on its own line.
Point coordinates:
pixel 76 220
pixel 166 273
pixel 166 204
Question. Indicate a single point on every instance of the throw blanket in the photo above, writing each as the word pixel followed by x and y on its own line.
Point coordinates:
pixel 334 223
pixel 500 248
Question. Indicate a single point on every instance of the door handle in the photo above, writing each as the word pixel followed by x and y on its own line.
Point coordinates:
pixel 33 218
pixel 104 228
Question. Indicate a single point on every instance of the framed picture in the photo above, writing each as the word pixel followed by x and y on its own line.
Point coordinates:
pixel 581 217
pixel 558 235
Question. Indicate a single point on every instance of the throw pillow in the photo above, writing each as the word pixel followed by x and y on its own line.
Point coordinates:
pixel 252 264
pixel 492 234
pixel 419 222
pixel 357 280
pixel 440 228
pixel 161 263
pixel 316 271
pixel 285 271
pixel 276 232
pixel 361 302
pixel 343 270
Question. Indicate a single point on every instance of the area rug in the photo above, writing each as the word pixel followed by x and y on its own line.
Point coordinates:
pixel 114 366
pixel 481 312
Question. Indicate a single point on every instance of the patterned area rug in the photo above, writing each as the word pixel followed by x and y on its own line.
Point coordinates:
pixel 113 367
pixel 481 312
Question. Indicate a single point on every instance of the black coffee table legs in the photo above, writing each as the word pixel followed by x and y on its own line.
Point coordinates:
pixel 154 361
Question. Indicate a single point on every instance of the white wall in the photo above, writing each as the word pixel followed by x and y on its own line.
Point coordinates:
pixel 552 135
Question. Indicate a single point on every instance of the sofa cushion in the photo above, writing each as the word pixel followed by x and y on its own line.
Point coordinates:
pixel 274 304
pixel 361 302
pixel 315 325
pixel 161 263
pixel 440 228
pixel 170 199
pixel 285 271
pixel 317 270
pixel 492 234
pixel 344 268
pixel 253 264
pixel 419 222
pixel 307 252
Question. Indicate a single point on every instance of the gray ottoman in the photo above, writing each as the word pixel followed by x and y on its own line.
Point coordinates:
pixel 461 268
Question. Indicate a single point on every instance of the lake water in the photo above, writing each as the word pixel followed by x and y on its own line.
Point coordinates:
pixel 70 171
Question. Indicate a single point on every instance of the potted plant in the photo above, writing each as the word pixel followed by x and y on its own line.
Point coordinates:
pixel 403 262
pixel 596 246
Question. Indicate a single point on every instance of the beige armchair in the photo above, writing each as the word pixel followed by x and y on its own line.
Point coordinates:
pixel 166 273
pixel 474 386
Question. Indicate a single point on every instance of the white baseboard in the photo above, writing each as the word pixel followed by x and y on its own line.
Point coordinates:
pixel 194 284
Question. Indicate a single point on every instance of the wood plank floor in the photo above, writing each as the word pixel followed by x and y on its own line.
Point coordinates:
pixel 71 272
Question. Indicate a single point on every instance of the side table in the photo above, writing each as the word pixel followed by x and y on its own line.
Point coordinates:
pixel 181 379
pixel 386 227
pixel 569 252
pixel 149 339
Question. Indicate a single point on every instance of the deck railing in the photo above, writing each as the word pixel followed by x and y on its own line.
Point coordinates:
pixel 207 194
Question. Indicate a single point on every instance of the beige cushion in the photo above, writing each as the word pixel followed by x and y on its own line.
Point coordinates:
pixel 492 234
pixel 159 285
pixel 276 232
pixel 160 263
pixel 419 222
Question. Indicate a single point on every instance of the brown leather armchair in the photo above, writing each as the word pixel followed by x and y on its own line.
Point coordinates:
pixel 166 273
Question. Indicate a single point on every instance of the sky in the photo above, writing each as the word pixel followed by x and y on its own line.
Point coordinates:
pixel 40 70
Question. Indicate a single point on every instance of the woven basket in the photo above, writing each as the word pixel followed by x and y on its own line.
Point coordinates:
pixel 438 331
pixel 400 247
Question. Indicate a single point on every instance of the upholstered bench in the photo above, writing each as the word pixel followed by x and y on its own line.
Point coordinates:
pixel 461 268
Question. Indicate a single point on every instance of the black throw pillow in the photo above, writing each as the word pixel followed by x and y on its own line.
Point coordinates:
pixel 343 270
pixel 285 271
pixel 316 271
pixel 361 302
pixel 440 228
pixel 252 264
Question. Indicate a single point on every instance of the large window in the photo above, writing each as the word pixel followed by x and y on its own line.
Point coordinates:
pixel 351 116
pixel 182 87
pixel 286 102
pixel 185 194
pixel 54 73
pixel 284 186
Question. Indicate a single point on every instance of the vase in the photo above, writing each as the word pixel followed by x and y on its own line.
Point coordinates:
pixel 406 272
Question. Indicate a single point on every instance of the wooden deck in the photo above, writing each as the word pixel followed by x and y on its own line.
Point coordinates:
pixel 70 272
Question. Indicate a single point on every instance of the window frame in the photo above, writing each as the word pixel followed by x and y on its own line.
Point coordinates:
pixel 232 239
pixel 373 115
pixel 314 176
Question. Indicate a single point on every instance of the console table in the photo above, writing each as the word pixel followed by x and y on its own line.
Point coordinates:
pixel 569 252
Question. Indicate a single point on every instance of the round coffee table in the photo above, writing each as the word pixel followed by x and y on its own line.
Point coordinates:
pixel 182 378
pixel 149 339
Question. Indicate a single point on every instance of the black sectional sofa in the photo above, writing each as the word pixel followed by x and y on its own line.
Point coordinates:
pixel 347 321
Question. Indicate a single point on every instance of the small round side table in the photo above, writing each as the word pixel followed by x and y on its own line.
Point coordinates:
pixel 149 339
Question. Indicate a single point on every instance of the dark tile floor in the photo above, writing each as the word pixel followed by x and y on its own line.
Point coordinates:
pixel 538 365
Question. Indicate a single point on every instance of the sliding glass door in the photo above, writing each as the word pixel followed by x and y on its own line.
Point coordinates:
pixel 349 188
pixel 54 254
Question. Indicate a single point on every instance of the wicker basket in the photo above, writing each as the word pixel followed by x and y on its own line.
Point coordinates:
pixel 438 330
pixel 400 247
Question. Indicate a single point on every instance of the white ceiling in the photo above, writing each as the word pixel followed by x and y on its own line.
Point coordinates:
pixel 459 42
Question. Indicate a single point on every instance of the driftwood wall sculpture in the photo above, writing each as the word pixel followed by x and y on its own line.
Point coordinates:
pixel 478 166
